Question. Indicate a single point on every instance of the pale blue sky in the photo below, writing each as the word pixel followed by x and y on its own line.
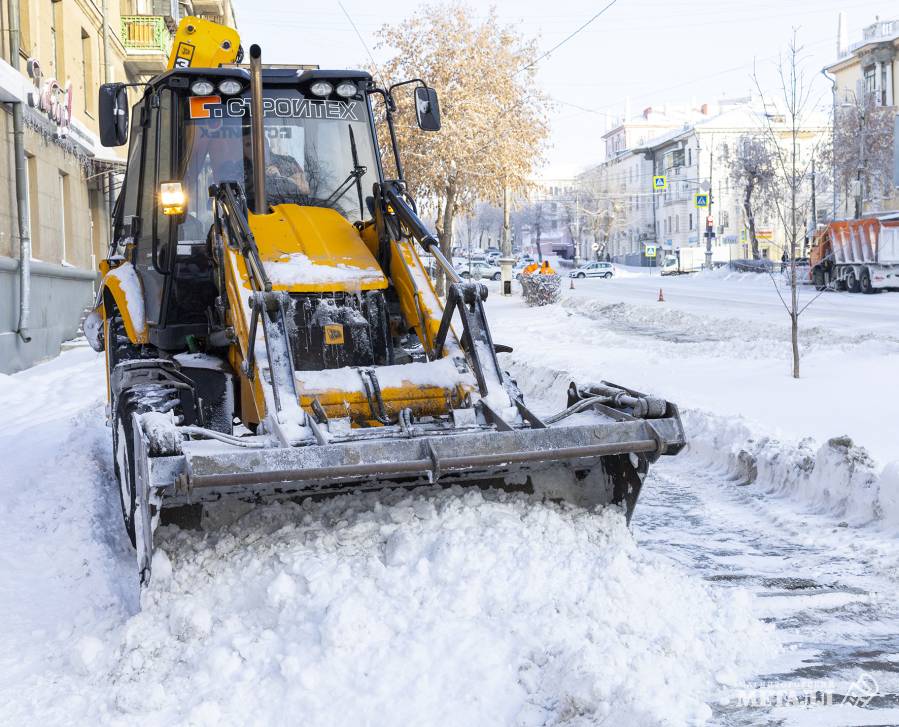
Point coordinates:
pixel 651 51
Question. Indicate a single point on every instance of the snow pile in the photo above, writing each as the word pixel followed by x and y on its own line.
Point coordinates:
pixel 837 477
pixel 443 607
pixel 451 608
pixel 691 334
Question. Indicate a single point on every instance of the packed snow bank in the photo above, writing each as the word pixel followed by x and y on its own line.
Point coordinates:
pixel 65 568
pixel 837 476
pixel 688 334
pixel 450 608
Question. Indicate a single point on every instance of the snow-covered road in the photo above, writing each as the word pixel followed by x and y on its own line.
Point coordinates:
pixel 742 581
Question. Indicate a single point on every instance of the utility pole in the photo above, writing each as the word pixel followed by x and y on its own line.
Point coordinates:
pixel 506 260
pixel 577 229
pixel 709 219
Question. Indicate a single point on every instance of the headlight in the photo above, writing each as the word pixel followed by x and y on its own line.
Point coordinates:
pixel 229 87
pixel 172 198
pixel 321 88
pixel 202 87
pixel 346 89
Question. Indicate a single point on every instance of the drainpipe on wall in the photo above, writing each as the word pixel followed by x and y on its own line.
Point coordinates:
pixel 18 132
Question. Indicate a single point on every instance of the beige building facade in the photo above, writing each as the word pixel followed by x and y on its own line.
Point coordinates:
pixel 66 50
pixel 866 75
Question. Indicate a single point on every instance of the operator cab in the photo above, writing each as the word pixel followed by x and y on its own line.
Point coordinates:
pixel 191 130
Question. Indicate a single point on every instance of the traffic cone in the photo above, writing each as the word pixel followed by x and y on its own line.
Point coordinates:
pixel 570 283
pixel 661 296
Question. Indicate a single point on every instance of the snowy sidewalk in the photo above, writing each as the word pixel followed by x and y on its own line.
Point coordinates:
pixel 719 348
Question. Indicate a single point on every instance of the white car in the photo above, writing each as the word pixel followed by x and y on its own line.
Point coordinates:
pixel 478 270
pixel 593 270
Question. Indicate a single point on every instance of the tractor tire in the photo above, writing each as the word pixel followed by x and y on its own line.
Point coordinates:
pixel 138 400
pixel 864 282
pixel 852 282
pixel 123 456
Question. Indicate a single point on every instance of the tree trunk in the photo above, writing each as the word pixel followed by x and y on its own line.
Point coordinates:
pixel 445 233
pixel 750 217
pixel 794 235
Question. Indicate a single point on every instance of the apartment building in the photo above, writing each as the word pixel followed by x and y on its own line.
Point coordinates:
pixel 694 157
pixel 620 188
pixel 866 75
pixel 66 49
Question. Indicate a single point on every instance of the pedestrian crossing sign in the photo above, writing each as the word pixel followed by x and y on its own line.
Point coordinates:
pixel 702 200
pixel 659 182
pixel 650 251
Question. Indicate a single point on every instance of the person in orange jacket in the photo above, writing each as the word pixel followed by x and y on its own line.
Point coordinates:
pixel 530 269
pixel 545 268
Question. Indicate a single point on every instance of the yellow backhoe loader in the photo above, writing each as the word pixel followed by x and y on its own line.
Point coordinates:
pixel 270 330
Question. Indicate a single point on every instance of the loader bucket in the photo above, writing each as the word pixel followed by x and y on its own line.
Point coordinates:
pixel 597 461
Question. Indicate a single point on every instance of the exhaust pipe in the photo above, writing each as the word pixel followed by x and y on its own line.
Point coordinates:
pixel 257 123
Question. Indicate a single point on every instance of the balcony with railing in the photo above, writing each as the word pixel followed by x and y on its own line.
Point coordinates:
pixel 147 40
pixel 882 30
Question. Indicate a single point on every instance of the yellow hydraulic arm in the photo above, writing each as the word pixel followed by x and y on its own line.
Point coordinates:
pixel 203 44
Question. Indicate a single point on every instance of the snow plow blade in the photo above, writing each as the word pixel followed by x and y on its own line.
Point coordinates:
pixel 599 462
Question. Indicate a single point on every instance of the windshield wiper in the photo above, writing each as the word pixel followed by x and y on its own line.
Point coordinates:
pixel 354 176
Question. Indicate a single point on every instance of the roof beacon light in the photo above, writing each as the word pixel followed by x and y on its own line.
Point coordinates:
pixel 202 87
pixel 346 89
pixel 321 88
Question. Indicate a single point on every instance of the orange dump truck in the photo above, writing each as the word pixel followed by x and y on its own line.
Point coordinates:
pixel 857 255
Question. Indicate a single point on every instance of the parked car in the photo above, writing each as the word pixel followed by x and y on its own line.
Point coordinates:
pixel 478 270
pixel 593 270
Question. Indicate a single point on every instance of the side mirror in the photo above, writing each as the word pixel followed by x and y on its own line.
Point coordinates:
pixel 113 111
pixel 427 109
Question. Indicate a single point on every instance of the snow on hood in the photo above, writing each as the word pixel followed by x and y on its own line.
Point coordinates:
pixel 298 269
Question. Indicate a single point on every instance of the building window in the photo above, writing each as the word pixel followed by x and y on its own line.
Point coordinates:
pixel 57 43
pixel 87 72
pixel 677 223
pixel 64 204
pixel 25 28
pixel 725 219
pixel 690 219
pixel 870 80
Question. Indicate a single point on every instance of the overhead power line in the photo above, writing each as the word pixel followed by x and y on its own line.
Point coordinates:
pixel 565 40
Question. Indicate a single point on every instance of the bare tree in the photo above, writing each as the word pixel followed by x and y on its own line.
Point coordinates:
pixel 603 209
pixel 863 149
pixel 752 168
pixel 782 133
